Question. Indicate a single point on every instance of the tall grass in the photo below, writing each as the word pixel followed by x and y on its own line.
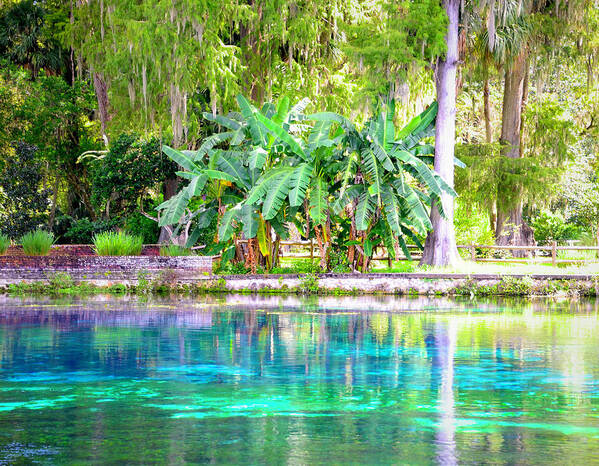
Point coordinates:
pixel 4 243
pixel 117 243
pixel 175 250
pixel 37 243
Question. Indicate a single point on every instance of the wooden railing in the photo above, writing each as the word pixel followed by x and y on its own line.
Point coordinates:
pixel 310 248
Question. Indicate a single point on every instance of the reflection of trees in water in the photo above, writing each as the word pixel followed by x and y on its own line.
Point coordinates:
pixel 454 361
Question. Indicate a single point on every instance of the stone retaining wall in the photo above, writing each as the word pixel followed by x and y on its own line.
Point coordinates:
pixel 80 250
pixel 417 283
pixel 104 270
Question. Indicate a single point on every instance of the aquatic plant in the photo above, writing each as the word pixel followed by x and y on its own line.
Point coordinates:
pixel 117 243
pixel 37 243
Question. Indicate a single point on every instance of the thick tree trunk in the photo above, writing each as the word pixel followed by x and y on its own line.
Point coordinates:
pixel 440 247
pixel 511 228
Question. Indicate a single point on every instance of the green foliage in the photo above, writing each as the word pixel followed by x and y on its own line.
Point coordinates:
pixel 550 227
pixel 4 243
pixel 472 225
pixel 117 243
pixel 175 250
pixel 23 200
pixel 37 243
pixel 80 231
pixel 137 224
pixel 130 169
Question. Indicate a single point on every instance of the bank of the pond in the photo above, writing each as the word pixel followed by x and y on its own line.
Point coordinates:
pixel 173 281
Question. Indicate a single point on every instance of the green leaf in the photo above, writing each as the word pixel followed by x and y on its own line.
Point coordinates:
pixel 404 247
pixel 364 212
pixel 227 225
pixel 229 162
pixel 299 182
pixel 382 155
pixel 249 113
pixel 392 209
pixel 212 141
pixel 282 109
pixel 180 158
pixel 257 158
pixel 283 135
pixel 372 170
pixel 276 194
pixel 249 221
pixel 318 201
pixel 218 175
pixel 418 126
pixel 319 135
pixel 330 116
pixel 223 121
pixel 263 238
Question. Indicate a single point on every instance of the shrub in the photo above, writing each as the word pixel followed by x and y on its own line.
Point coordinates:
pixel 117 243
pixel 4 243
pixel 37 243
pixel 175 250
pixel 552 227
pixel 70 230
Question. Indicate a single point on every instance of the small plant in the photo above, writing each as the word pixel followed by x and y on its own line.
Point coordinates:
pixel 308 284
pixel 60 281
pixel 4 243
pixel 175 250
pixel 37 243
pixel 117 243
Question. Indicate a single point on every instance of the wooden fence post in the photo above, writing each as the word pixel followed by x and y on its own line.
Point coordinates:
pixel 311 249
pixel 554 253
pixel 472 253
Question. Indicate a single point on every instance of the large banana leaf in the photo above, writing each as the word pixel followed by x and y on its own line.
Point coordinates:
pixel 282 135
pixel 180 158
pixel 298 184
pixel 227 224
pixel 276 194
pixel 419 127
pixel 257 130
pixel 318 201
pixel 392 209
pixel 364 211
pixel 223 121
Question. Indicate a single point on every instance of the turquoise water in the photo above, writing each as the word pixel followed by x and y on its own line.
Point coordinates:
pixel 336 381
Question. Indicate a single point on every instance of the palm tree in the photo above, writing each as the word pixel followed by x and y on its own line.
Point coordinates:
pixel 23 40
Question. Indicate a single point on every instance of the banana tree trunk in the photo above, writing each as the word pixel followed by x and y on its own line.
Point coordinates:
pixel 440 246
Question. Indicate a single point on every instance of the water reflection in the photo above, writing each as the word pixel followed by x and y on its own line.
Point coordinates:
pixel 252 379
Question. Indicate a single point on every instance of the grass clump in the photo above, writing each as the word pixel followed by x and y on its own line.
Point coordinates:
pixel 37 243
pixel 117 243
pixel 4 243
pixel 175 250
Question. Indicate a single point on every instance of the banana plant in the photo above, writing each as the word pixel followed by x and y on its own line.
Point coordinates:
pixel 386 184
pixel 301 178
pixel 228 165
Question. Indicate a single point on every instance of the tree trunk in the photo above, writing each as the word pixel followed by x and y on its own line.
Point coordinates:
pixel 511 228
pixel 487 111
pixel 101 89
pixel 440 247
pixel 169 189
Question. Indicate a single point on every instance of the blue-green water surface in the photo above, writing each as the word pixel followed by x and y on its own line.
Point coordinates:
pixel 281 380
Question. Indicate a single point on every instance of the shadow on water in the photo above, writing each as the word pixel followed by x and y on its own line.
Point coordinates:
pixel 246 379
